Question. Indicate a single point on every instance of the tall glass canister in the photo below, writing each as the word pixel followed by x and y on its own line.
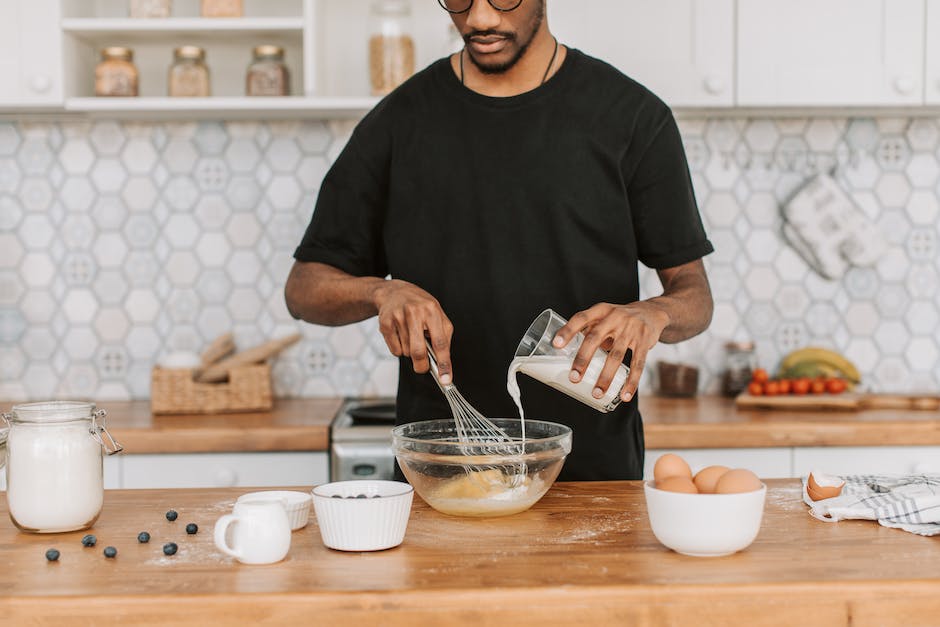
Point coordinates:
pixel 55 468
pixel 391 47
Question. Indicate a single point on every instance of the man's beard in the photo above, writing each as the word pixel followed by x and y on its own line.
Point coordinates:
pixel 500 68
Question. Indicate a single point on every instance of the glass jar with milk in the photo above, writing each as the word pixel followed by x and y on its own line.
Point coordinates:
pixel 55 468
pixel 537 357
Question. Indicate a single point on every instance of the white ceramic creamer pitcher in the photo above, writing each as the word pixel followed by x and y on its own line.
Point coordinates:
pixel 259 532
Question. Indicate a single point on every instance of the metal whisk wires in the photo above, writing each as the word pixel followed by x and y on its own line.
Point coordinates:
pixel 473 428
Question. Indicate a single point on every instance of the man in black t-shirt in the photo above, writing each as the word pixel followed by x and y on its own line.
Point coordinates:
pixel 514 176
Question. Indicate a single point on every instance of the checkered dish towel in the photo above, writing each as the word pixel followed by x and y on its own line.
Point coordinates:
pixel 910 502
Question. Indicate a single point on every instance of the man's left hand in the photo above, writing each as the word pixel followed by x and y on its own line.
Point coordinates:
pixel 636 327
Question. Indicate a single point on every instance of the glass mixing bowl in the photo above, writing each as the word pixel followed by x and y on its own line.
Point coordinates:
pixel 481 479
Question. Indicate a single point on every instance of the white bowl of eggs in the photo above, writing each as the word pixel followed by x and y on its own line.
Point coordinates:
pixel 717 511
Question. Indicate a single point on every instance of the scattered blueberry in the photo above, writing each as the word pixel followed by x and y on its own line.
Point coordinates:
pixel 171 515
pixel 337 496
pixel 143 537
pixel 192 528
pixel 52 555
pixel 376 496
pixel 361 496
pixel 89 540
pixel 110 551
pixel 170 548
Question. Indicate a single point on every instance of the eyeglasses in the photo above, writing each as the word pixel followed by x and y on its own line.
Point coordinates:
pixel 462 6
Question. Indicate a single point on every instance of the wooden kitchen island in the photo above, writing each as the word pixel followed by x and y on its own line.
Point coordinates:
pixel 584 555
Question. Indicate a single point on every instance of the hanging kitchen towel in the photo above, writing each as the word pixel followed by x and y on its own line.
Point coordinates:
pixel 828 229
pixel 908 502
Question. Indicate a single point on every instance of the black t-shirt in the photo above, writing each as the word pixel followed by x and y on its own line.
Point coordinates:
pixel 503 207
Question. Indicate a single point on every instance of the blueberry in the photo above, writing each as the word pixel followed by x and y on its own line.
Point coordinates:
pixel 171 515
pixel 361 496
pixel 52 555
pixel 170 548
pixel 376 496
pixel 110 551
pixel 143 537
pixel 192 528
pixel 89 540
pixel 337 496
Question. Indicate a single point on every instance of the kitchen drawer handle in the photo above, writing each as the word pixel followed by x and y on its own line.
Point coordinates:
pixel 905 85
pixel 40 83
pixel 926 468
pixel 714 85
pixel 224 478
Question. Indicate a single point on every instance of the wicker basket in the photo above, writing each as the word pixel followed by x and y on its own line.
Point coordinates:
pixel 173 391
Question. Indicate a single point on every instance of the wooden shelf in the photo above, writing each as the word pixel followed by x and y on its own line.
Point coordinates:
pixel 221 107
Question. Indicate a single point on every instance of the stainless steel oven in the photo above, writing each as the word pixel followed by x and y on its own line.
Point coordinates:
pixel 361 440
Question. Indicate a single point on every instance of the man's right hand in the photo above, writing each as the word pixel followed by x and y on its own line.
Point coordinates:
pixel 406 315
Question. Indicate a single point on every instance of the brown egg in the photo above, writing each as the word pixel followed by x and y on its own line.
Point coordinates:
pixel 736 481
pixel 706 478
pixel 671 465
pixel 677 484
pixel 820 486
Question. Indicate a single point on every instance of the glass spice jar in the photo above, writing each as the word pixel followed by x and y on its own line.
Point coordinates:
pixel 150 8
pixel 267 74
pixel 189 76
pixel 391 47
pixel 116 75
pixel 222 8
pixel 740 362
pixel 55 468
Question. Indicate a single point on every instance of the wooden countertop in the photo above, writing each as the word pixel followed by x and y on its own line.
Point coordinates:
pixel 715 422
pixel 670 423
pixel 583 555
pixel 293 425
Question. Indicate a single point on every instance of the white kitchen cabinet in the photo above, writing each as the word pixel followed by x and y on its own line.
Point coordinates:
pixel 832 53
pixel 222 470
pixel 932 73
pixel 683 50
pixel 769 463
pixel 839 460
pixel 30 54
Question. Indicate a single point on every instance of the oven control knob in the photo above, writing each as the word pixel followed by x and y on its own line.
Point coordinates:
pixel 364 470
pixel 224 478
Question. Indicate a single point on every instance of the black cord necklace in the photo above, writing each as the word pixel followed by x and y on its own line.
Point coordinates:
pixel 551 62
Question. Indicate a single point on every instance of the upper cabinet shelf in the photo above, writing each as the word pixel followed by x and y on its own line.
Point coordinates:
pixel 103 28
pixel 697 55
pixel 221 107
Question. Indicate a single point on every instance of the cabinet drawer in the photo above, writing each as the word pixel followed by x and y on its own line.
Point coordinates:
pixel 851 460
pixel 218 470
pixel 764 462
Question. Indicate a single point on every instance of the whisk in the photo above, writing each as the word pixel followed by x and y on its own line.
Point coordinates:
pixel 480 436
pixel 473 428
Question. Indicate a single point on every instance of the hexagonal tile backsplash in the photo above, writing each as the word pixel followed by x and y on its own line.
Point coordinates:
pixel 122 241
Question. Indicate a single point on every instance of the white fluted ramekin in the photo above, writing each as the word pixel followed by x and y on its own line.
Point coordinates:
pixel 367 515
pixel 296 504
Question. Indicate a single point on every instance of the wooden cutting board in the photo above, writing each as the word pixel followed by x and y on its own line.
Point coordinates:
pixel 838 402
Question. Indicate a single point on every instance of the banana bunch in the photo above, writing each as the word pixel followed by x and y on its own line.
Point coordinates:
pixel 814 361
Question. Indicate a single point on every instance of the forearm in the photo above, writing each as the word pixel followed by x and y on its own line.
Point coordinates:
pixel 686 301
pixel 322 294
